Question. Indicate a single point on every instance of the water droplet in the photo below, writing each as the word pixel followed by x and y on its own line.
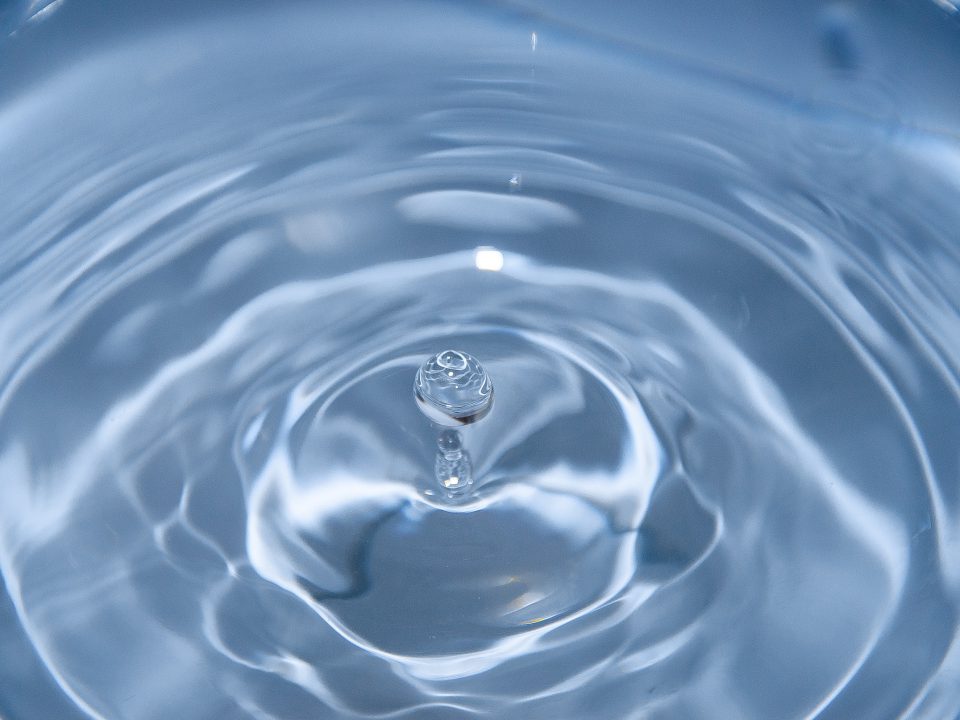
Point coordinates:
pixel 533 42
pixel 516 181
pixel 452 388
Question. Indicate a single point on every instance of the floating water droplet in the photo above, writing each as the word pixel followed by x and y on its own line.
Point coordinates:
pixel 515 183
pixel 452 388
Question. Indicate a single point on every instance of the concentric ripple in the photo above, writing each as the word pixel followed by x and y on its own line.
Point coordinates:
pixel 347 513
pixel 719 478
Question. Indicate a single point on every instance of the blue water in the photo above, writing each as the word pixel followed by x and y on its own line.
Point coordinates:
pixel 707 255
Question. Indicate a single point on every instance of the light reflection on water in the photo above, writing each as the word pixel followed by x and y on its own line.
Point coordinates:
pixel 708 259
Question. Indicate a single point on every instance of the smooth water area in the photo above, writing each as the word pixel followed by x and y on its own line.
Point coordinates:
pixel 479 360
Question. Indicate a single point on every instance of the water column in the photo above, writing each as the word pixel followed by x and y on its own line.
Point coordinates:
pixel 453 389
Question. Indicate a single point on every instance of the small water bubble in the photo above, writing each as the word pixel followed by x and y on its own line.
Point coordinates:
pixel 515 183
pixel 452 388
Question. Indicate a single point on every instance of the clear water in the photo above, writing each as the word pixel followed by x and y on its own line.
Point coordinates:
pixel 453 388
pixel 708 254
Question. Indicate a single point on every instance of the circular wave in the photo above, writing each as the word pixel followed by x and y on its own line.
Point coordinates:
pixel 718 477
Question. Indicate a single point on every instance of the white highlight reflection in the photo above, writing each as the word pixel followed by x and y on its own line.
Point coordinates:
pixel 486 258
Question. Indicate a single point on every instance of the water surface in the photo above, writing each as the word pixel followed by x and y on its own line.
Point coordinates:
pixel 708 256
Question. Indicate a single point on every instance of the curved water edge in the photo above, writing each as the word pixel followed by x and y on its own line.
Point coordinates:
pixel 718 478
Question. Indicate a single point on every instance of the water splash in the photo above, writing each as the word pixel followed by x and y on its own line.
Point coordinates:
pixel 213 315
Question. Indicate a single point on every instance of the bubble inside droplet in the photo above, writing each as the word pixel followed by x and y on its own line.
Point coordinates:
pixel 452 388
